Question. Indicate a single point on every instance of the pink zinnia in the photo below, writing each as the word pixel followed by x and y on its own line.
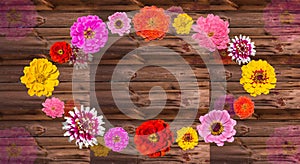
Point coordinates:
pixel 212 32
pixel 53 107
pixel 217 127
pixel 116 139
pixel 89 33
pixel 84 126
pixel 119 23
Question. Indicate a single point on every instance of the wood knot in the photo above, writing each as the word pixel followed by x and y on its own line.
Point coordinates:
pixel 243 130
pixel 130 129
pixel 37 130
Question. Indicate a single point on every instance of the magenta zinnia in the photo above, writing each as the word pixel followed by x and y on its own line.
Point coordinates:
pixel 217 126
pixel 89 33
pixel 84 126
pixel 116 139
pixel 211 32
pixel 241 48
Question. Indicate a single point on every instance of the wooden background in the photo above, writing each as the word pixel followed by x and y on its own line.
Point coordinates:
pixel 278 109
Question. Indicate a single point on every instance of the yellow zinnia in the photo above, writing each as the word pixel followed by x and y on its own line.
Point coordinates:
pixel 40 77
pixel 183 24
pixel 100 150
pixel 187 138
pixel 258 77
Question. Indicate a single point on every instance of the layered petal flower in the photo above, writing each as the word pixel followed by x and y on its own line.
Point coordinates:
pixel 53 107
pixel 116 139
pixel 119 23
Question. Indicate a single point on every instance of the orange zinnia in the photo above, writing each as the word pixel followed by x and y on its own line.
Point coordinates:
pixel 151 23
pixel 244 107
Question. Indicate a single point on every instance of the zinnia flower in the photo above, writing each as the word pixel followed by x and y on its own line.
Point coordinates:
pixel 153 138
pixel 283 145
pixel 17 146
pixel 79 58
pixel 53 107
pixel 212 32
pixel 83 126
pixel 18 18
pixel 244 107
pixel 89 33
pixel 225 102
pixel 116 139
pixel 217 126
pixel 187 138
pixel 183 24
pixel 258 77
pixel 119 23
pixel 282 19
pixel 60 52
pixel 241 48
pixel 100 150
pixel 151 23
pixel 40 77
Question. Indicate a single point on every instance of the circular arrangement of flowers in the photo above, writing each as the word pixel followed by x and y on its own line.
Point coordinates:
pixel 83 126
pixel 258 77
pixel 217 127
pixel 153 138
pixel 40 77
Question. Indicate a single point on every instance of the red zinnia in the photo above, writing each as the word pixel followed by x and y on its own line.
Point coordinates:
pixel 243 107
pixel 60 52
pixel 153 138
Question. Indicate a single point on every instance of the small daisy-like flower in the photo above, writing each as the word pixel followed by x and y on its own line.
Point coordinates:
pixel 79 58
pixel 100 150
pixel 53 107
pixel 83 126
pixel 258 77
pixel 187 138
pixel 116 139
pixel 241 48
pixel 217 126
pixel 183 24
pixel 244 107
pixel 119 23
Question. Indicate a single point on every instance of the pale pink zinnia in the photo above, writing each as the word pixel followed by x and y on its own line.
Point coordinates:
pixel 116 139
pixel 217 126
pixel 89 33
pixel 211 32
pixel 53 107
pixel 83 126
pixel 241 48
pixel 119 23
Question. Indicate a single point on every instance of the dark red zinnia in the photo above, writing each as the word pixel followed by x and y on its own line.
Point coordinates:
pixel 153 138
pixel 60 52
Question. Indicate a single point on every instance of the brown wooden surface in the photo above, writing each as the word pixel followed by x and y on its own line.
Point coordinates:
pixel 278 109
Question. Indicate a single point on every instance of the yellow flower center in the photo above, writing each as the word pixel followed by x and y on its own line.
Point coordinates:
pixel 216 128
pixel 259 76
pixel 116 139
pixel 286 18
pixel 245 107
pixel 210 34
pixel 151 22
pixel 89 33
pixel 13 16
pixel 153 138
pixel 60 52
pixel 118 24
pixel 187 137
pixel 13 150
pixel 53 108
